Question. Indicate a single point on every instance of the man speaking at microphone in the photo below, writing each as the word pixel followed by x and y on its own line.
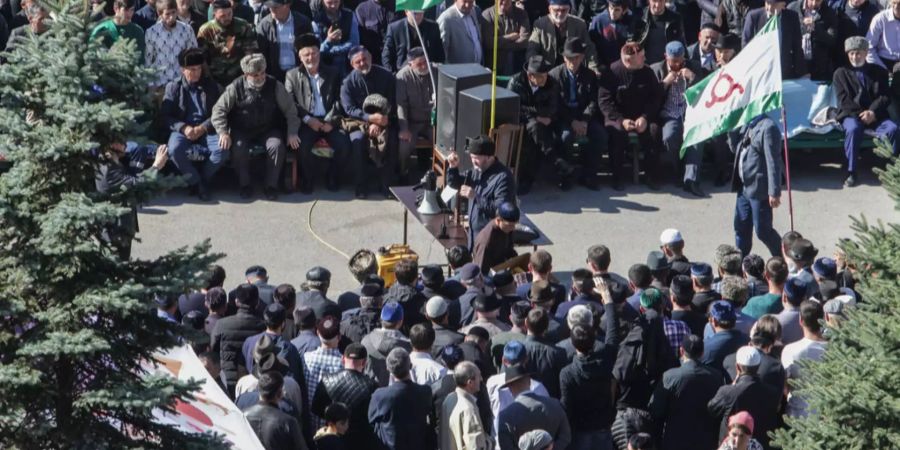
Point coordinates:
pixel 487 185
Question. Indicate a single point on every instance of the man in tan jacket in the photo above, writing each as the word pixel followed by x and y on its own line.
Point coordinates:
pixel 466 431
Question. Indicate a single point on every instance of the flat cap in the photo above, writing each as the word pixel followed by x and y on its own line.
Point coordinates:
pixel 469 272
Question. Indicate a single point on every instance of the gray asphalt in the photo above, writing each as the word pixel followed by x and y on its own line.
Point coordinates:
pixel 276 234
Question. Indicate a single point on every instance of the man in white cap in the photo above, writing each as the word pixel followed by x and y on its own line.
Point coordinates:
pixel 672 245
pixel 536 440
pixel 248 114
pixel 437 311
pixel 747 393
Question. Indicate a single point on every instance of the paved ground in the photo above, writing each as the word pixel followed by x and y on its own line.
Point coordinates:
pixel 276 234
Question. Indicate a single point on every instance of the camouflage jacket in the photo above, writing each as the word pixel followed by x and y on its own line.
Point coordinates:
pixel 225 46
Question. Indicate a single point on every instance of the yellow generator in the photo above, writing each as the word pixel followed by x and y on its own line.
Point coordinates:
pixel 388 257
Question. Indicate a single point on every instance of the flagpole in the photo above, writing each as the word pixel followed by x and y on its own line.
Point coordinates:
pixel 494 68
pixel 427 60
pixel 787 165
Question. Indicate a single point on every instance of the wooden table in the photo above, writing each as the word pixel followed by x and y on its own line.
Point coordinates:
pixel 456 233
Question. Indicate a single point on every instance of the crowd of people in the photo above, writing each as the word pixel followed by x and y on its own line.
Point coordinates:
pixel 677 354
pixel 347 83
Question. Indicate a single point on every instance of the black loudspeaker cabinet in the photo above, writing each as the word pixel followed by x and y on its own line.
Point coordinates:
pixel 453 79
pixel 475 114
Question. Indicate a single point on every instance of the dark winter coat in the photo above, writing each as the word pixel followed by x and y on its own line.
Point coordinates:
pixel 228 338
pixel 679 405
pixel 749 394
pixel 354 390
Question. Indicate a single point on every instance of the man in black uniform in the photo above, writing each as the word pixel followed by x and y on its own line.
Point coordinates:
pixel 630 97
pixel 538 106
pixel 487 184
pixel 577 120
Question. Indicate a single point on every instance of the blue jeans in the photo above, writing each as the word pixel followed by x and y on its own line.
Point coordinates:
pixel 853 134
pixel 750 213
pixel 591 440
pixel 672 131
pixel 208 145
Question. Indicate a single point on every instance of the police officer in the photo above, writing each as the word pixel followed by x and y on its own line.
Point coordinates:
pixel 487 185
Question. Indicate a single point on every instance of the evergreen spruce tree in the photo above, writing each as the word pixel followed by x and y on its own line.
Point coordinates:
pixel 76 320
pixel 855 389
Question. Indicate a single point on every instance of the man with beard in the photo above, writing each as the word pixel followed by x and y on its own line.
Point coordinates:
pixel 165 41
pixel 363 84
pixel 487 184
pixel 250 113
pixel 315 89
pixel 415 101
pixel 550 33
pixel 677 74
pixel 186 112
pixel 225 40
pixel 862 94
pixel 630 97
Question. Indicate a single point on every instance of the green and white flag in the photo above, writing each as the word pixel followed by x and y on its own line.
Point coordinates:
pixel 749 85
pixel 415 5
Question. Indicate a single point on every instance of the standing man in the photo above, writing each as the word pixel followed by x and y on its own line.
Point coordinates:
pixel 551 32
pixel 466 430
pixel 494 244
pixel 610 29
pixel 486 185
pixel 680 400
pixel 530 411
pixel 338 31
pixel 230 332
pixel 461 28
pixel 187 112
pixel 757 181
pixel 401 37
pixel 399 413
pixel 415 102
pixel 315 89
pixel 514 31
pixel 117 27
pixel 367 95
pixel 664 25
pixel 676 74
pixel 165 41
pixel 252 109
pixel 226 40
pixel 578 118
pixel 277 35
pixel 630 97
pixel 352 388
pixel 373 17
pixel 538 106
pixel 793 63
pixel 863 100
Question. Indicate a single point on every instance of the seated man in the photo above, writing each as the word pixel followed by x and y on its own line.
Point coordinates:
pixel 703 52
pixel 186 111
pixel 250 113
pixel 315 89
pixel 677 74
pixel 630 98
pixel 373 135
pixel 415 101
pixel 539 105
pixel 862 94
pixel 494 243
pixel 117 27
pixel 577 121
pixel 225 40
